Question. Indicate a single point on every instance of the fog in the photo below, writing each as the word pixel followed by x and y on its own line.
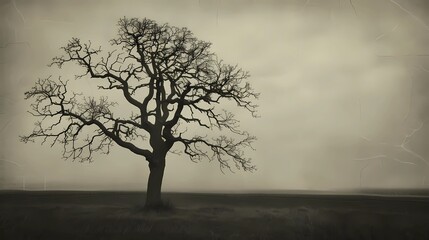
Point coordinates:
pixel 343 85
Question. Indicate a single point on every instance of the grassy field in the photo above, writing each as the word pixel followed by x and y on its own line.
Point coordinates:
pixel 119 215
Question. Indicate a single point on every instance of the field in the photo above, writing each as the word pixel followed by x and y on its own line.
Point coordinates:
pixel 119 215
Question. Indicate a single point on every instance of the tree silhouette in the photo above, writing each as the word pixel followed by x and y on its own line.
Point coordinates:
pixel 168 78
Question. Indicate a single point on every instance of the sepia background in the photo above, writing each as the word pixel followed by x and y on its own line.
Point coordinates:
pixel 344 92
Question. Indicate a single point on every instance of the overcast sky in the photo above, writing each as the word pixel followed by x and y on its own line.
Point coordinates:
pixel 342 84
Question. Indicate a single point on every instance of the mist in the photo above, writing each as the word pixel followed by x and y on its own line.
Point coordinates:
pixel 344 92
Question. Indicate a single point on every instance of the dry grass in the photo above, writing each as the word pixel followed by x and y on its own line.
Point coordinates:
pixel 86 215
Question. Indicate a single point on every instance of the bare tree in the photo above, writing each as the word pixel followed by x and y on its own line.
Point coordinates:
pixel 168 78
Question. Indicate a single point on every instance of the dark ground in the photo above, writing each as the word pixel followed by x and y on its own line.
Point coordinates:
pixel 118 215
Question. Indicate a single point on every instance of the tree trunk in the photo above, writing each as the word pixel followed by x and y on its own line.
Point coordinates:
pixel 153 194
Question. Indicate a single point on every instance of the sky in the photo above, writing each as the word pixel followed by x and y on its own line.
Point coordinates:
pixel 344 92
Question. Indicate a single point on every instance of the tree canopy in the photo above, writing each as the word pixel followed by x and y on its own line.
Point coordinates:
pixel 169 78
